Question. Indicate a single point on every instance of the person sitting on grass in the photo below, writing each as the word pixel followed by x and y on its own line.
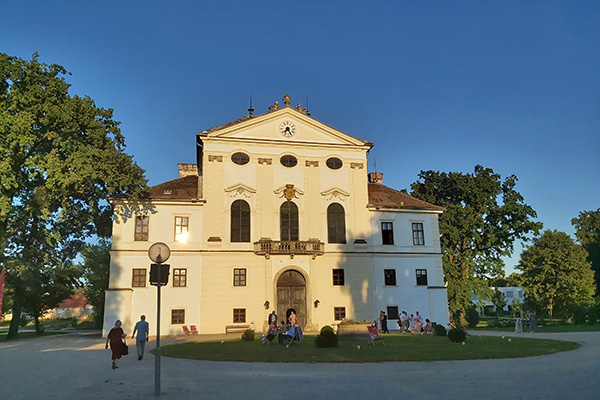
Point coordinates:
pixel 428 328
pixel 271 333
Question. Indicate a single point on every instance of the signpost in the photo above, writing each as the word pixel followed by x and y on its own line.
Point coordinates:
pixel 159 276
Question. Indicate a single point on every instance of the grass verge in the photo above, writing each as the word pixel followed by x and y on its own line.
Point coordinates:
pixel 29 335
pixel 398 348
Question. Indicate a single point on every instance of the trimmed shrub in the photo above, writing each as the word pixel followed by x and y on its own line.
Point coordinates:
pixel 580 315
pixel 326 338
pixel 457 335
pixel 439 330
pixel 248 335
pixel 593 313
pixel 472 317
pixel 327 328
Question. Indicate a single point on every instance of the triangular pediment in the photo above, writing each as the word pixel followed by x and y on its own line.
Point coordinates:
pixel 281 126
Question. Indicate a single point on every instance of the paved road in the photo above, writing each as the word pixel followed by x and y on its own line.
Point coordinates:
pixel 76 366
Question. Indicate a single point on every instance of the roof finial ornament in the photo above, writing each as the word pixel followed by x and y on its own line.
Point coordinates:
pixel 300 108
pixel 287 100
pixel 274 107
pixel 250 110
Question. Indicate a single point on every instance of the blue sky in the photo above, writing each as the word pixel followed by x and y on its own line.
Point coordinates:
pixel 511 85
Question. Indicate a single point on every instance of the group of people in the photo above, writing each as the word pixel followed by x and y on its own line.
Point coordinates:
pixel 116 338
pixel 530 317
pixel 288 330
pixel 414 324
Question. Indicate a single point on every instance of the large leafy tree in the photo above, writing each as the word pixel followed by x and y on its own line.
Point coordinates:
pixel 483 218
pixel 95 269
pixel 61 158
pixel 587 226
pixel 556 273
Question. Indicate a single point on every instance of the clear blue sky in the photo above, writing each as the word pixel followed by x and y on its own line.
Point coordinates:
pixel 511 85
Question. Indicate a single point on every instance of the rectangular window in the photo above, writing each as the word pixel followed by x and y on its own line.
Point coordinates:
pixel 338 277
pixel 387 232
pixel 239 315
pixel 181 228
pixel 418 234
pixel 392 312
pixel 339 313
pixel 178 317
pixel 421 277
pixel 239 277
pixel 510 294
pixel 390 277
pixel 179 277
pixel 141 227
pixel 139 277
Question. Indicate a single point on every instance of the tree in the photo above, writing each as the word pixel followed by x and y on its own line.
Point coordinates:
pixel 499 301
pixel 95 269
pixel 61 158
pixel 587 227
pixel 483 218
pixel 556 274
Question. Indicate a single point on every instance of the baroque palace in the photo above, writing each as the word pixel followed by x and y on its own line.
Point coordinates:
pixel 278 212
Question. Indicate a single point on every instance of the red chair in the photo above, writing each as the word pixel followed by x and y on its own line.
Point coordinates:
pixel 186 331
pixel 374 335
pixel 193 329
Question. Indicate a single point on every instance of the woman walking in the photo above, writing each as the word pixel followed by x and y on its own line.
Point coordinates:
pixel 115 338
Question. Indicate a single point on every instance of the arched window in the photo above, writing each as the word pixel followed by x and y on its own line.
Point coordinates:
pixel 289 221
pixel 240 221
pixel 336 223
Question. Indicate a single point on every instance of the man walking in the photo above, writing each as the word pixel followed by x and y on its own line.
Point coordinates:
pixel 142 329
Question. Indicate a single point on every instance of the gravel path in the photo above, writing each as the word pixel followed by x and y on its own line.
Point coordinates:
pixel 77 366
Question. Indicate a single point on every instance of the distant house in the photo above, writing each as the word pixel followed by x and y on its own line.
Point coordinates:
pixel 76 306
pixel 512 295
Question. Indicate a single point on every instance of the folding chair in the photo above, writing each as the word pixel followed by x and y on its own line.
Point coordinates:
pixel 374 335
pixel 193 329
pixel 296 336
pixel 186 331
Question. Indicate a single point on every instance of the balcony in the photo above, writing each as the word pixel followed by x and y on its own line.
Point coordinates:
pixel 267 247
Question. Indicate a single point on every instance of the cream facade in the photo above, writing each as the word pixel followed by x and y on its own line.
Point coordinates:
pixel 277 213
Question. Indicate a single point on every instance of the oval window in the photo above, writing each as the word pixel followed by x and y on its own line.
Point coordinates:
pixel 289 161
pixel 334 163
pixel 240 158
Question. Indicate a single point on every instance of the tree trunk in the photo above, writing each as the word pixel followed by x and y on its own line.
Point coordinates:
pixel 38 325
pixel 13 330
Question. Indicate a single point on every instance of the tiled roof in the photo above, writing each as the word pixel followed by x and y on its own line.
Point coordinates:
pixel 75 301
pixel 185 188
pixel 383 196
pixel 237 121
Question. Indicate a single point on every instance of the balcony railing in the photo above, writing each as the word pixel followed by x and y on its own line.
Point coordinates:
pixel 291 247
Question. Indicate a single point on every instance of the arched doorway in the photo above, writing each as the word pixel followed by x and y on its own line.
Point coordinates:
pixel 291 293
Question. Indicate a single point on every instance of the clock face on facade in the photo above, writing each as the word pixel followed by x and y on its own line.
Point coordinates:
pixel 287 128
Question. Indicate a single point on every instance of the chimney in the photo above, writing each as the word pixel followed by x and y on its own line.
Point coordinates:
pixel 375 177
pixel 188 170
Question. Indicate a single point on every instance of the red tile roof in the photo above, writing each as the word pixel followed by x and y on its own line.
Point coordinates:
pixel 75 301
pixel 185 188
pixel 385 197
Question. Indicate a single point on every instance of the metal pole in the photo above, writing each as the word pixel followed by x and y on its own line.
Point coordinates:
pixel 157 353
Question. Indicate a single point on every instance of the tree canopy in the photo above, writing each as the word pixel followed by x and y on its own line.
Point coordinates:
pixel 483 218
pixel 95 270
pixel 61 158
pixel 587 226
pixel 556 274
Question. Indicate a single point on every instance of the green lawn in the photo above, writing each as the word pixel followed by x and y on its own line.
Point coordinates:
pixel 398 348
pixel 549 328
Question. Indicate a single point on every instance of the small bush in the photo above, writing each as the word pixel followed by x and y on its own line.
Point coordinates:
pixel 472 317
pixel 439 330
pixel 327 328
pixel 326 338
pixel 593 313
pixel 457 335
pixel 248 335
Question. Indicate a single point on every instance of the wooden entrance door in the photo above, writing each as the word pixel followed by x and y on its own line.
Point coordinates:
pixel 291 293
